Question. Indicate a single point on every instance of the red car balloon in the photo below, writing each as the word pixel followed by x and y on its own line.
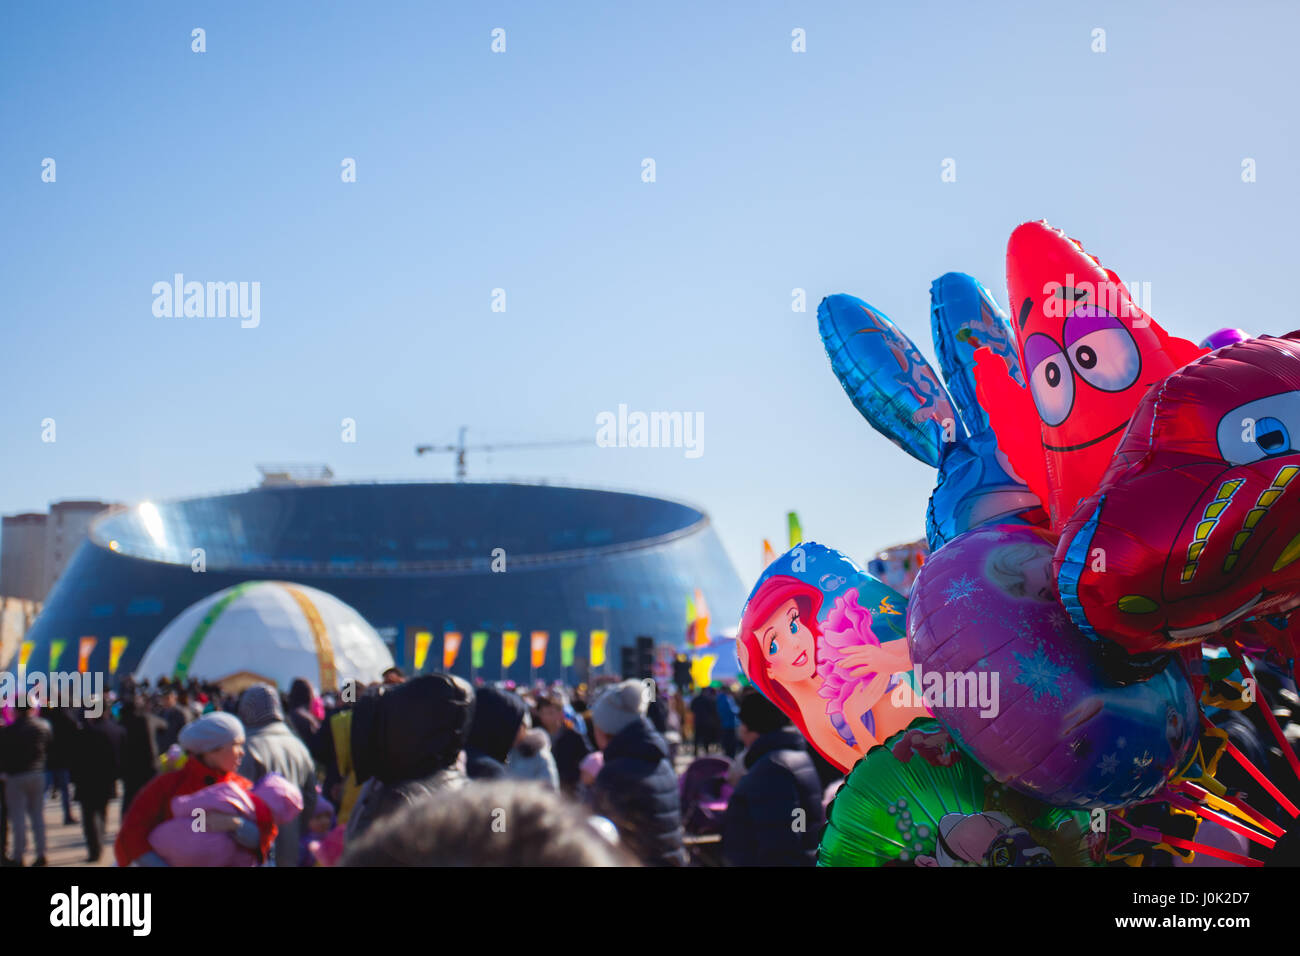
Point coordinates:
pixel 1194 527
pixel 1089 355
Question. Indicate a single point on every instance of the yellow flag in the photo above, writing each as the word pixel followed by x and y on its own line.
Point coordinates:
pixel 24 655
pixel 422 641
pixel 509 648
pixel 702 669
pixel 116 648
pixel 450 648
pixel 598 641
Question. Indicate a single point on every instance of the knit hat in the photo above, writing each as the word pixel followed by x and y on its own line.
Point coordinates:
pixel 259 706
pixel 761 715
pixel 620 706
pixel 210 732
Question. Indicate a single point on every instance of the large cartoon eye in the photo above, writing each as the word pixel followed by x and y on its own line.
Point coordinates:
pixel 1260 429
pixel 1101 349
pixel 1051 380
pixel 772 648
pixel 794 624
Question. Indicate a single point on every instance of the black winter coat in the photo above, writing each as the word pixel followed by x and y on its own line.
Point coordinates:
pixel 97 760
pixel 569 749
pixel 25 744
pixel 760 826
pixel 637 790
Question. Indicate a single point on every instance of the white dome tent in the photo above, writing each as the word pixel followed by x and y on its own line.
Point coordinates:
pixel 267 632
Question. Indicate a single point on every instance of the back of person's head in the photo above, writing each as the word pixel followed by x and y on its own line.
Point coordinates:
pixel 498 715
pixel 620 706
pixel 259 705
pixel 490 823
pixel 760 715
pixel 414 729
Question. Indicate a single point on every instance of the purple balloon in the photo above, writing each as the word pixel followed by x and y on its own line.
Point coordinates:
pixel 1221 337
pixel 985 622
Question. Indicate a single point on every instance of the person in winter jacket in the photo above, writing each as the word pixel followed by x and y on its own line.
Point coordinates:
pixel 531 759
pixel 214 745
pixel 271 747
pixel 498 725
pixel 636 787
pixel 407 740
pixel 58 765
pixel 775 816
pixel 728 721
pixel 704 710
pixel 96 765
pixel 140 751
pixel 23 751
pixel 568 747
pixel 303 709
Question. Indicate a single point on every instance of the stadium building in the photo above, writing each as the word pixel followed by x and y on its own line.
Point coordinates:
pixel 419 561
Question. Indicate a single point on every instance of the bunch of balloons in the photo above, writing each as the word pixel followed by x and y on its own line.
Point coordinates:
pixel 1113 535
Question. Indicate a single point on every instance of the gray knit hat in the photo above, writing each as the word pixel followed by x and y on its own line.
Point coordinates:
pixel 620 706
pixel 210 732
pixel 259 706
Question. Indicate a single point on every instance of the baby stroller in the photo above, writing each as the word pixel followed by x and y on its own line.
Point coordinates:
pixel 704 794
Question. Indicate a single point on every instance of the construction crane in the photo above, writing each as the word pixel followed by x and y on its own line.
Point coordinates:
pixel 460 448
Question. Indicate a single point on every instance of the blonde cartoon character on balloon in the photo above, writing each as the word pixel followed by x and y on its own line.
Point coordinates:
pixel 834 678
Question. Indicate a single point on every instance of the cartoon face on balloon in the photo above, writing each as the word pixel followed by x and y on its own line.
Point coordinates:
pixel 1089 354
pixel 1197 518
pixel 824 641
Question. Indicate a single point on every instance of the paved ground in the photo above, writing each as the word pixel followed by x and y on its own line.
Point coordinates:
pixel 66 845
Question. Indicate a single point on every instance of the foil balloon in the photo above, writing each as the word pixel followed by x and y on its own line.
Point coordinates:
pixel 825 642
pixel 1194 527
pixel 1024 693
pixel 918 802
pixel 898 392
pixel 1089 354
pixel 1221 337
pixel 887 378
pixel 976 482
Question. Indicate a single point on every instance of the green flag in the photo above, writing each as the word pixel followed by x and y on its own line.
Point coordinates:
pixel 56 651
pixel 478 644
pixel 796 532
pixel 568 641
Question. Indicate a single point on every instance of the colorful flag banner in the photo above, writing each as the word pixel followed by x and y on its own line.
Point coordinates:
pixel 116 648
pixel 702 669
pixel 796 532
pixel 422 641
pixel 539 640
pixel 478 642
pixel 700 626
pixel 568 642
pixel 24 655
pixel 56 651
pixel 450 648
pixel 691 613
pixel 83 653
pixel 598 641
pixel 768 554
pixel 509 648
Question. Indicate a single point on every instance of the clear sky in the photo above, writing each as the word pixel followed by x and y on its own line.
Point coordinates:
pixel 522 171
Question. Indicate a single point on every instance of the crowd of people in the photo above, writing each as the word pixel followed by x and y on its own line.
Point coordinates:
pixel 425 771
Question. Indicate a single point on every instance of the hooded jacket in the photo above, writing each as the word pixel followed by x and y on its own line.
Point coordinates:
pixel 757 827
pixel 412 735
pixel 497 716
pixel 271 747
pixel 300 717
pixel 637 790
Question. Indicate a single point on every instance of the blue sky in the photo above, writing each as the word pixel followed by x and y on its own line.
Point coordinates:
pixel 522 171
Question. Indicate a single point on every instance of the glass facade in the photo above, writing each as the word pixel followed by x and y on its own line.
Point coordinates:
pixel 409 558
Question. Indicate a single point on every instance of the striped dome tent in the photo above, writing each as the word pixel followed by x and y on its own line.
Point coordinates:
pixel 267 632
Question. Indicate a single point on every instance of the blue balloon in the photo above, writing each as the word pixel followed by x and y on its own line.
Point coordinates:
pixel 887 378
pixel 963 318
